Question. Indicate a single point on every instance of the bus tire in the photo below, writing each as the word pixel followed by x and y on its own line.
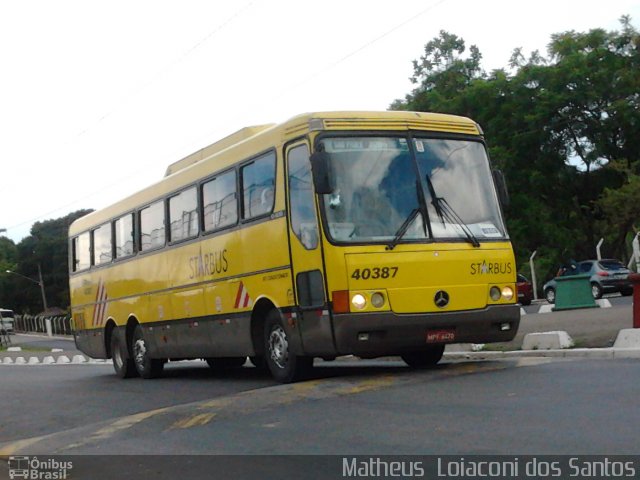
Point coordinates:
pixel 285 366
pixel 226 362
pixel 145 366
pixel 122 364
pixel 426 357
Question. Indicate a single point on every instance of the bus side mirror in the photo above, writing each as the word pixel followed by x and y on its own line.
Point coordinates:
pixel 501 186
pixel 322 175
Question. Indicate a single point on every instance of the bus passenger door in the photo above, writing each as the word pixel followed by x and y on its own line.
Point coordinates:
pixel 312 315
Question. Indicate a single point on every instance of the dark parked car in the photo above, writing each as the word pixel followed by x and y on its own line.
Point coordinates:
pixel 525 290
pixel 607 276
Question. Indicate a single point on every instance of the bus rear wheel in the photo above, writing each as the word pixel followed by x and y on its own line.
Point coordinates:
pixel 122 364
pixel 285 366
pixel 146 366
pixel 426 357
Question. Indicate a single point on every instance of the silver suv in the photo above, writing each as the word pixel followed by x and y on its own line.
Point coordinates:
pixel 607 276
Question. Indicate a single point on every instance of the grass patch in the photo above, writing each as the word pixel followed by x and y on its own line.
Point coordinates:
pixel 499 347
pixel 25 348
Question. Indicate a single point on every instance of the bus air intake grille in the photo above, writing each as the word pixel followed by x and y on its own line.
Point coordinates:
pixel 397 124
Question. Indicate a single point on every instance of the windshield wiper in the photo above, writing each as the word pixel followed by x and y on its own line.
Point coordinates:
pixel 446 211
pixel 403 228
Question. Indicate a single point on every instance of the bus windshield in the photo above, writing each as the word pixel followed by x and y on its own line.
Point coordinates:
pixel 389 190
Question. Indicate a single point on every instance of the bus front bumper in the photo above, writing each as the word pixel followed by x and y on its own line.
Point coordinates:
pixel 387 333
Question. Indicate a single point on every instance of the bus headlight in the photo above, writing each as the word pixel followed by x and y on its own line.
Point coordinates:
pixel 507 293
pixel 377 300
pixel 358 301
pixel 494 293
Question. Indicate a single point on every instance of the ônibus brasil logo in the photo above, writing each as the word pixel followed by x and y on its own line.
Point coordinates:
pixel 32 468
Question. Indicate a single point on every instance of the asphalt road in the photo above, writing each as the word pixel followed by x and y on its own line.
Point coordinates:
pixel 529 406
pixel 170 427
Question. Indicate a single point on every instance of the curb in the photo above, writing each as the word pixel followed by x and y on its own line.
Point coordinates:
pixel 50 360
pixel 610 353
pixel 599 353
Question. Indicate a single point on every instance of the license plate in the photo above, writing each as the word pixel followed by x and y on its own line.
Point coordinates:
pixel 441 336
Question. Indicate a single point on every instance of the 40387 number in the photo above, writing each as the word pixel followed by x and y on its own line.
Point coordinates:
pixel 375 272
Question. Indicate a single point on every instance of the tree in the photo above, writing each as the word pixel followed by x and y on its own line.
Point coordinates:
pixel 47 248
pixel 441 74
pixel 8 258
pixel 560 128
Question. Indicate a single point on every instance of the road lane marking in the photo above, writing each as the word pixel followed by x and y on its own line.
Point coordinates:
pixel 201 413
pixel 117 426
pixel 198 420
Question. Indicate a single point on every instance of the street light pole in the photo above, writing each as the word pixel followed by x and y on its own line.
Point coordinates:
pixel 40 283
pixel 44 297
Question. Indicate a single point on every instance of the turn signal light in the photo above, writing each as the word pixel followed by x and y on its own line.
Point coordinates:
pixel 340 301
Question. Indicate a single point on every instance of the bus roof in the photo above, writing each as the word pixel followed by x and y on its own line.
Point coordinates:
pixel 250 141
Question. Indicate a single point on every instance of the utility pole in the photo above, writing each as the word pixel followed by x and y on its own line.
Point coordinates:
pixel 599 257
pixel 40 283
pixel 635 244
pixel 533 275
pixel 44 297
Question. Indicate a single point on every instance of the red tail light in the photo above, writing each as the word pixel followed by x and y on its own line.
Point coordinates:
pixel 603 274
pixel 340 301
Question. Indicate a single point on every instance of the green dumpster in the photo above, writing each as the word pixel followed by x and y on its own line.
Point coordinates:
pixel 574 291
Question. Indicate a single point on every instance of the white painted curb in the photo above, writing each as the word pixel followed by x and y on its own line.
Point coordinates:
pixel 78 359
pixel 33 361
pixel 547 341
pixel 48 360
pixel 63 359
pixel 20 361
pixel 628 338
pixel 7 361
pixel 56 350
pixel 14 349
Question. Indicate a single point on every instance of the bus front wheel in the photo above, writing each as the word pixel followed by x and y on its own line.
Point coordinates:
pixel 145 366
pixel 122 364
pixel 427 357
pixel 285 366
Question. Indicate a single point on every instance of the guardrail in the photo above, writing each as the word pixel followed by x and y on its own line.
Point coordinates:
pixel 52 325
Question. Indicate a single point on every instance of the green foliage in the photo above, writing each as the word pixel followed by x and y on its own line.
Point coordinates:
pixel 8 258
pixel 47 247
pixel 564 129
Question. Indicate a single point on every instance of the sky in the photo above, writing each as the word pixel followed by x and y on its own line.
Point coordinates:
pixel 97 97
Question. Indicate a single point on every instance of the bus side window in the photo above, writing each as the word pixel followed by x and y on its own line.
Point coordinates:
pixel 123 227
pixel 102 251
pixel 152 226
pixel 258 186
pixel 81 252
pixel 220 207
pixel 183 215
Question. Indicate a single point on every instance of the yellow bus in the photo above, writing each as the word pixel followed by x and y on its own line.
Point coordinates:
pixel 336 233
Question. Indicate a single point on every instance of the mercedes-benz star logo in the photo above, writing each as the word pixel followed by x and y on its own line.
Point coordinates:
pixel 441 299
